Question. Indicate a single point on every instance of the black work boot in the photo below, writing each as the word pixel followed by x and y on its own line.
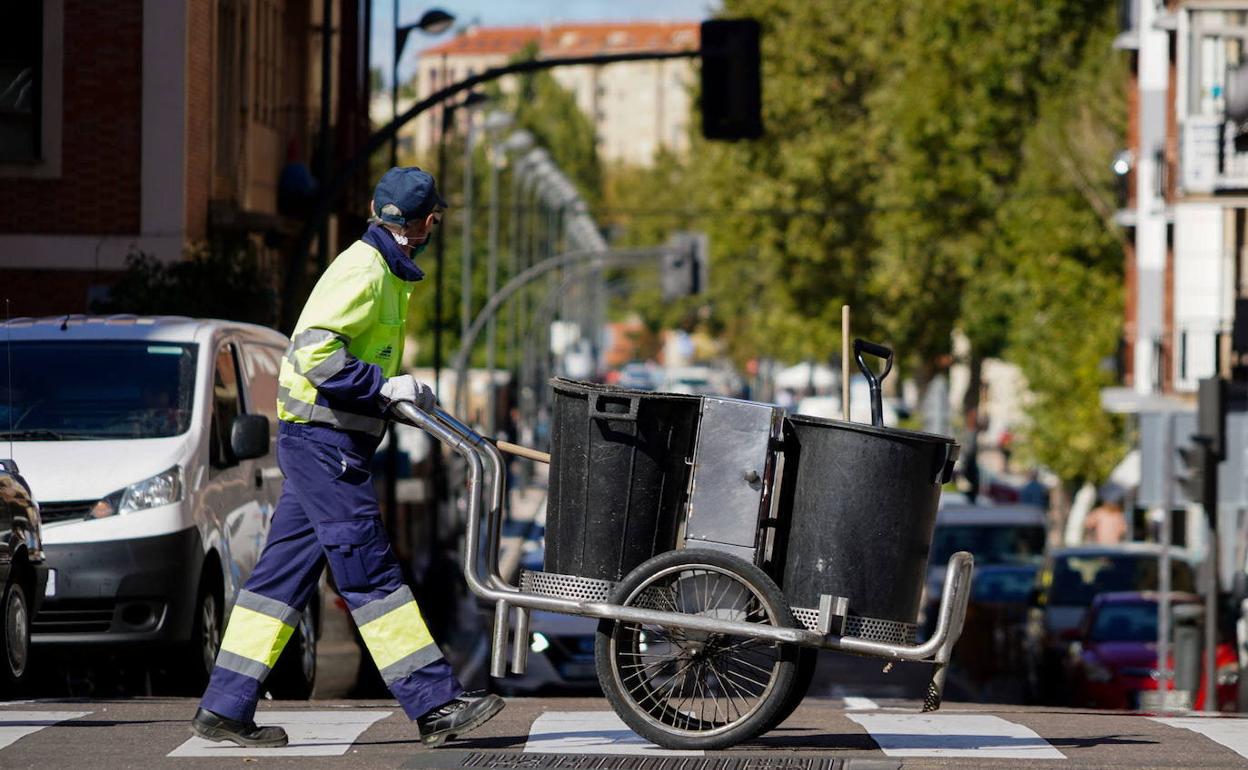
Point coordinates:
pixel 214 727
pixel 456 718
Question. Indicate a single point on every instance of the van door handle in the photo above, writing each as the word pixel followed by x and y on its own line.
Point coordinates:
pixel 259 478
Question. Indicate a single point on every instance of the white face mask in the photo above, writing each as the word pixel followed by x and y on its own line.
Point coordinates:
pixel 399 238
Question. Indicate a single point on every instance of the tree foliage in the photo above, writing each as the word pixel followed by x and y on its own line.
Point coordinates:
pixel 216 280
pixel 938 166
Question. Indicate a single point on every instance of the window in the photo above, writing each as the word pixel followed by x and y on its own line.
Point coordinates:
pixel 229 86
pixel 261 364
pixel 98 390
pixel 268 64
pixel 226 405
pixel 21 84
pixel 1216 44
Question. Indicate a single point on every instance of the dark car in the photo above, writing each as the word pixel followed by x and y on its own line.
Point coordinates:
pixel 990 650
pixel 1069 582
pixel 993 534
pixel 23 574
pixel 1112 663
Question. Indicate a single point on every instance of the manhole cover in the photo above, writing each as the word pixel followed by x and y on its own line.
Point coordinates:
pixel 511 760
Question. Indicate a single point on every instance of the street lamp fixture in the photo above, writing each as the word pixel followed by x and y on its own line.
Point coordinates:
pixel 434 22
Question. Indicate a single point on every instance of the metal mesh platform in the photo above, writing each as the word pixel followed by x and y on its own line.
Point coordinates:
pixel 565 586
pixel 875 629
pixel 591 589
pixel 879 630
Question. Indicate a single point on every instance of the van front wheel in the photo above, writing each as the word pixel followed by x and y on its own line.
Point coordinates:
pixel 201 654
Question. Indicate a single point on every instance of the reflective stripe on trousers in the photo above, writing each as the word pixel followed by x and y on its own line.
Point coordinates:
pixel 259 628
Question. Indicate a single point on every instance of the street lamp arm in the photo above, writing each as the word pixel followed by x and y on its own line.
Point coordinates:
pixel 598 258
pixel 330 192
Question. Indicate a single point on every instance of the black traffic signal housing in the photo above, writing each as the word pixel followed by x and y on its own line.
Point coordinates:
pixel 1190 473
pixel 1211 415
pixel 732 82
pixel 683 272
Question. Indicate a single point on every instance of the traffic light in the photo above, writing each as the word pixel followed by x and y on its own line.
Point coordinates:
pixel 732 84
pixel 1190 472
pixel 684 266
pixel 1237 105
pixel 1211 415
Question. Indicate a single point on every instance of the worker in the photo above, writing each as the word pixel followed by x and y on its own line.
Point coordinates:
pixel 339 376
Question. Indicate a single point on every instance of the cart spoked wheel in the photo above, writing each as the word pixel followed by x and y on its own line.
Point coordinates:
pixel 685 689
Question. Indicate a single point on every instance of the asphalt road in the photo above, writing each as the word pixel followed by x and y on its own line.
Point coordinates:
pixel 853 733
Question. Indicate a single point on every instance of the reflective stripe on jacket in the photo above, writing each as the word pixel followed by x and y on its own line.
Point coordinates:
pixel 348 340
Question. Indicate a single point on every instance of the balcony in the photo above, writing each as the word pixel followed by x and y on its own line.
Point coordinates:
pixel 1210 162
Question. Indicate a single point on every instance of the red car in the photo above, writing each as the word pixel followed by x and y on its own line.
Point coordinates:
pixel 1114 657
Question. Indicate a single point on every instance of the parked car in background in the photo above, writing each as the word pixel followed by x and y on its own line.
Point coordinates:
pixel 1113 660
pixel 990 650
pixel 638 375
pixel 150 441
pixel 829 406
pixel 993 534
pixel 23 574
pixel 1068 583
pixel 695 380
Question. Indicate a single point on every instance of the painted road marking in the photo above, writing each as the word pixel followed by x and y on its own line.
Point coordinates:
pixel 858 703
pixel 15 725
pixel 1228 731
pixel 312 734
pixel 589 732
pixel 954 735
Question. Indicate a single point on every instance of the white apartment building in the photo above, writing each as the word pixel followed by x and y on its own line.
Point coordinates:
pixel 1187 261
pixel 636 108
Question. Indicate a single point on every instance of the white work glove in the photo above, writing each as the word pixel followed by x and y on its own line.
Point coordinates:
pixel 405 388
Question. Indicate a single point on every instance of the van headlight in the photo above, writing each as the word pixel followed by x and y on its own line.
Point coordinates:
pixel 162 489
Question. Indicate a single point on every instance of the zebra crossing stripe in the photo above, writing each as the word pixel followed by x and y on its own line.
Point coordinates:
pixel 312 734
pixel 15 725
pixel 954 735
pixel 589 732
pixel 858 703
pixel 1231 732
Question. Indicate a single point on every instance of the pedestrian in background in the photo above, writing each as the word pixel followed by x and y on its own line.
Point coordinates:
pixel 339 377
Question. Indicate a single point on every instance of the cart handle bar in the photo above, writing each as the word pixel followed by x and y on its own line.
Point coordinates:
pixel 472 446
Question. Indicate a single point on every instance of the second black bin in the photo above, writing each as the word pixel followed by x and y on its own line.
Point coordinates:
pixel 860 504
pixel 618 474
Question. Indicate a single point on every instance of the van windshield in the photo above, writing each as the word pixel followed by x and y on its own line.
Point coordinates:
pixel 61 391
pixel 988 543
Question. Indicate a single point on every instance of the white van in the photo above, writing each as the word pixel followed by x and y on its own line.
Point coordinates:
pixel 151 442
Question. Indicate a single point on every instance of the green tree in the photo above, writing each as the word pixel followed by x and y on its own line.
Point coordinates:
pixel 219 279
pixel 1066 290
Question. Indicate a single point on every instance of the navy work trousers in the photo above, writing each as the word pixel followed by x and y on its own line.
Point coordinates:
pixel 327 511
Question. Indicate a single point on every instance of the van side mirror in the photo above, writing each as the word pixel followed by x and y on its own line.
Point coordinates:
pixel 249 436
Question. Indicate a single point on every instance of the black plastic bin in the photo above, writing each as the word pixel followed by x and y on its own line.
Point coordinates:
pixel 858 505
pixel 618 474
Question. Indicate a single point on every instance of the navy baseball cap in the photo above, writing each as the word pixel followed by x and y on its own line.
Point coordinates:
pixel 405 194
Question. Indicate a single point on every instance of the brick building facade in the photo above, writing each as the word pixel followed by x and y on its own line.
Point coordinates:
pixel 155 125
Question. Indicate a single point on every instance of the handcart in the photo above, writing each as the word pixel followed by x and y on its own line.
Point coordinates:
pixel 721 543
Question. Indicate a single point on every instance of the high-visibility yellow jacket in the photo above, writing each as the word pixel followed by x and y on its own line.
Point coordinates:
pixel 348 341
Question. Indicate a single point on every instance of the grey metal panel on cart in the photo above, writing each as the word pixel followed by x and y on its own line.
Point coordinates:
pixel 730 475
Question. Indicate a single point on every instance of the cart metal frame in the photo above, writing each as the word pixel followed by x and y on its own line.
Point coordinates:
pixel 478 453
